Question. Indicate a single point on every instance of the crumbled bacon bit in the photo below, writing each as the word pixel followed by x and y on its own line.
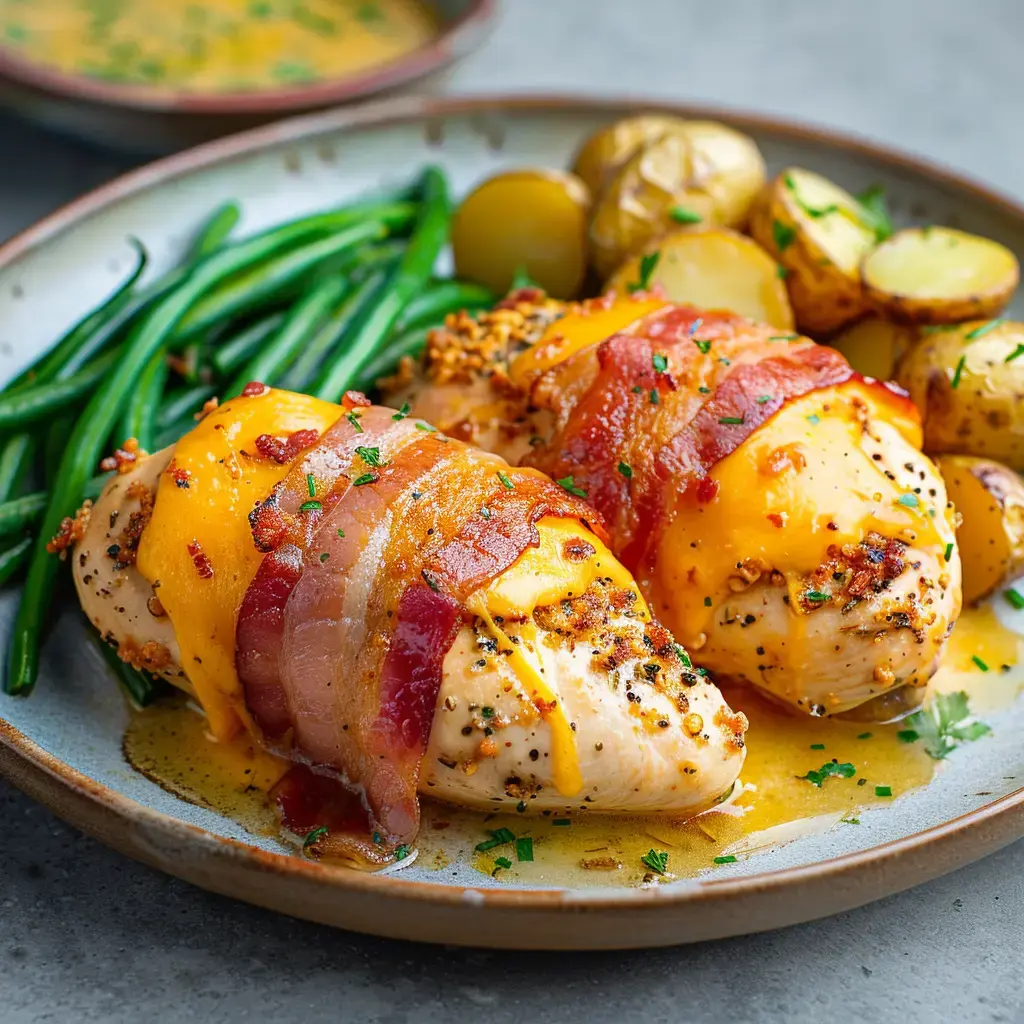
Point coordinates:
pixel 544 707
pixel 199 560
pixel 152 656
pixel 268 525
pixel 531 295
pixel 124 458
pixel 576 549
pixel 282 450
pixel 254 389
pixel 210 405
pixel 71 530
pixel 129 538
pixel 354 400
pixel 181 477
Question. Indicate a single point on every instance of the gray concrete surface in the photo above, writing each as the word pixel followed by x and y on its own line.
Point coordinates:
pixel 86 935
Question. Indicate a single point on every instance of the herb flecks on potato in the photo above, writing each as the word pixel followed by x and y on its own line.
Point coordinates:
pixel 699 172
pixel 713 269
pixel 990 499
pixel 527 220
pixel 968 382
pixel 819 233
pixel 935 275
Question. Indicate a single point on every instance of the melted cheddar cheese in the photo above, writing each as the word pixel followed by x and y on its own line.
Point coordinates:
pixel 817 484
pixel 202 505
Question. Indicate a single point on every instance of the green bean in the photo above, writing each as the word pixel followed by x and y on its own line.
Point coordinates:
pixel 385 361
pixel 39 401
pixel 15 461
pixel 140 687
pixel 151 333
pixel 345 313
pixel 183 404
pixel 414 269
pixel 214 231
pixel 274 358
pixel 445 297
pixel 172 433
pixel 230 355
pixel 247 291
pixel 55 441
pixel 139 419
pixel 13 558
pixel 20 513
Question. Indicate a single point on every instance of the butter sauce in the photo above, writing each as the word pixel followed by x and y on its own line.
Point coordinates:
pixel 170 744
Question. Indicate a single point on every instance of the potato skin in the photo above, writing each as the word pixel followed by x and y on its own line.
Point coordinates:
pixel 881 284
pixel 824 296
pixel 991 533
pixel 704 168
pixel 983 414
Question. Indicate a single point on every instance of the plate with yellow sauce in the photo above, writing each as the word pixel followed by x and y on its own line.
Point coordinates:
pixel 827 813
pixel 222 63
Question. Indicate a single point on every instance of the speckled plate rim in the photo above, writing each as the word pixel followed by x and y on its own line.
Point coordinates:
pixel 457 37
pixel 519 918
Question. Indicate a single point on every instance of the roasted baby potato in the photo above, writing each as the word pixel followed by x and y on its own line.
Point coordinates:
pixel 968 382
pixel 939 276
pixel 703 173
pixel 990 498
pixel 820 234
pixel 604 153
pixel 873 346
pixel 712 269
pixel 529 220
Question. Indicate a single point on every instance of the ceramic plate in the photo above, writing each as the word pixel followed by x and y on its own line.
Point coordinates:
pixel 63 744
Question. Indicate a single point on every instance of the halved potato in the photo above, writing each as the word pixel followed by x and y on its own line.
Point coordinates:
pixel 604 153
pixel 713 269
pixel 701 173
pixel 532 220
pixel 939 276
pixel 873 347
pixel 968 382
pixel 990 498
pixel 820 234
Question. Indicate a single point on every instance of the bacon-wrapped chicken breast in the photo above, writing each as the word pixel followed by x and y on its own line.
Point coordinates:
pixel 398 613
pixel 773 504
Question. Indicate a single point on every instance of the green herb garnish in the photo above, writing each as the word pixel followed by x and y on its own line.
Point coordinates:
pixel 647 266
pixel 502 862
pixel 1014 598
pixel 944 725
pixel 782 235
pixel 704 347
pixel 312 838
pixel 426 427
pixel 499 837
pixel 656 860
pixel 371 456
pixel 958 373
pixel 402 852
pixel 764 399
pixel 403 412
pixel 561 821
pixel 730 421
pixel 910 500
pixel 817 596
pixel 828 770
pixel 428 578
pixel 524 849
pixel 876 212
pixel 505 482
pixel 654 398
pixel 681 215
pixel 883 790
pixel 1015 354
pixel 626 470
pixel 977 661
pixel 568 484
pixel 660 362
pixel 983 329
pixel 949 552
pixel 366 478
pixel 728 859
pixel 817 746
pixel 311 506
pixel 354 420
pixel 683 656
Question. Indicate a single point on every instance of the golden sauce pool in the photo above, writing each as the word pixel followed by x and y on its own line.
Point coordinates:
pixel 773 804
pixel 215 45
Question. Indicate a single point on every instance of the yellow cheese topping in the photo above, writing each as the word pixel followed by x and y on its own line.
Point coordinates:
pixel 563 565
pixel 817 485
pixel 584 325
pixel 203 501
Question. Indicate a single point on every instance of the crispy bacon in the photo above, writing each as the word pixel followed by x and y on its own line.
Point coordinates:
pixel 670 421
pixel 282 450
pixel 343 632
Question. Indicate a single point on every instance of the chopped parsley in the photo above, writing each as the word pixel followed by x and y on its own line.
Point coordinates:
pixel 660 362
pixel 502 862
pixel 910 500
pixel 521 279
pixel 683 656
pixel 703 390
pixel 654 398
pixel 311 506
pixel 341 533
pixel 703 346
pixel 1015 354
pixel 817 596
pixel 647 266
pixel 828 770
pixel 943 726
pixel 366 478
pixel 626 470
pixel 524 849
pixel 783 235
pixel 354 420
pixel 728 859
pixel 1014 597
pixel 324 555
pixel 876 212
pixel 486 712
pixel 977 661
pixel 371 456
pixel 681 215
pixel 731 421
pixel 311 485
pixel 402 413
pixel 425 427
pixel 402 852
pixel 656 860
pixel 764 399
pixel 499 837
pixel 958 373
pixel 981 331
pixel 312 838
pixel 505 482
pixel 883 790
pixel 949 554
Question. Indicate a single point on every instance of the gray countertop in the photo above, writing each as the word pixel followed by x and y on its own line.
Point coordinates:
pixel 86 935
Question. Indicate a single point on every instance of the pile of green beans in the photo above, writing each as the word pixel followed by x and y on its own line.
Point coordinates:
pixel 320 304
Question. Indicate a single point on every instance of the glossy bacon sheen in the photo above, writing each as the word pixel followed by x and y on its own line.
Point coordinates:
pixel 343 632
pixel 614 407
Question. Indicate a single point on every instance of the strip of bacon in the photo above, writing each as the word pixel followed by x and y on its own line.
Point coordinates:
pixel 342 635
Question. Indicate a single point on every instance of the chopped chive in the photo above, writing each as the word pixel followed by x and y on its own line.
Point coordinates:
pixel 656 860
pixel 371 456
pixel 782 235
pixel 977 661
pixel 1014 597
pixel 660 362
pixel 402 413
pixel 955 382
pixel 366 478
pixel 883 790
pixel 324 555
pixel 681 215
pixel 425 427
pixel 864 736
pixel 817 596
pixel 817 746
pixel 524 849
pixel 980 332
pixel 505 482
pixel 567 483
pixel 784 337
pixel 311 485
pixel 728 859
pixel 1015 354
pixel 354 420
pixel 654 397
pixel 908 735
pixel 647 265
pixel 683 656
pixel 703 390
pixel 341 533
pixel 730 420
pixel 626 470
pixel 782 272
pixel 764 399
pixel 502 862
pixel 311 506
pixel 499 837
pixel 313 837
pixel 949 552
pixel 561 821
pixel 707 602
pixel 703 346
